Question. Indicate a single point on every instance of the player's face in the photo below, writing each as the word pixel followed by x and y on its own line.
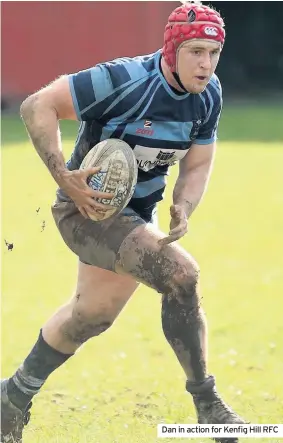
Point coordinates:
pixel 196 62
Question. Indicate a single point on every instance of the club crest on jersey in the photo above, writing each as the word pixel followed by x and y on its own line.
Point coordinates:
pixel 196 124
pixel 147 124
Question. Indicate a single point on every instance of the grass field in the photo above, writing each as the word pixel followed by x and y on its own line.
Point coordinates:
pixel 120 385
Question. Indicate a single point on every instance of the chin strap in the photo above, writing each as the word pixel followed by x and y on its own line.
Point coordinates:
pixel 177 78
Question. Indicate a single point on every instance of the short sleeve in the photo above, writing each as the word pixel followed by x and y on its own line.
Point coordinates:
pixel 208 131
pixel 90 90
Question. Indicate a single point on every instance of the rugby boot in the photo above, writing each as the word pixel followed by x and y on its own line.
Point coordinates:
pixel 13 419
pixel 215 411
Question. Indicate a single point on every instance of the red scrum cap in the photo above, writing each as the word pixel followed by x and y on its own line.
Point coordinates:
pixel 190 21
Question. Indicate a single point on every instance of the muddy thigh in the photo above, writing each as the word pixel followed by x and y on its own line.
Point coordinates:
pixel 162 268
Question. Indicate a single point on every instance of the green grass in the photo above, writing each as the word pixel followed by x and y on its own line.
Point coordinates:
pixel 120 385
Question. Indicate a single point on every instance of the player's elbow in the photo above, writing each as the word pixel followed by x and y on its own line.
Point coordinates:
pixel 30 106
pixel 27 105
pixel 54 99
pixel 35 106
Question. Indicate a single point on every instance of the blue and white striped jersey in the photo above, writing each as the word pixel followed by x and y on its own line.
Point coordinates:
pixel 129 98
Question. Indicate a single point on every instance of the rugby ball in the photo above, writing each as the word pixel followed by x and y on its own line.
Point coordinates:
pixel 118 174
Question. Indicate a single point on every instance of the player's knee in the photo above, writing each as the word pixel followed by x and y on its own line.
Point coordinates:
pixel 92 329
pixel 174 277
pixel 82 327
pixel 184 282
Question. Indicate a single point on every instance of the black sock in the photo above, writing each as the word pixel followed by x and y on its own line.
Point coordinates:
pixel 204 390
pixel 31 375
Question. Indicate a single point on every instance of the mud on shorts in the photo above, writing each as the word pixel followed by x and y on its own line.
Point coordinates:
pixel 95 243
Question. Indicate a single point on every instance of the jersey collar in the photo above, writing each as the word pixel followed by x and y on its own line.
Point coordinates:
pixel 164 82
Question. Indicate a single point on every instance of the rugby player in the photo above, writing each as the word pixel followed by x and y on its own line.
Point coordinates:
pixel 166 106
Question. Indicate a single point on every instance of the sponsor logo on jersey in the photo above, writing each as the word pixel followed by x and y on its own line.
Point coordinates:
pixel 145 131
pixel 149 158
pixel 165 157
pixel 147 124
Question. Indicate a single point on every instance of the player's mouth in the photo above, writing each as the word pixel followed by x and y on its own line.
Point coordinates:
pixel 202 78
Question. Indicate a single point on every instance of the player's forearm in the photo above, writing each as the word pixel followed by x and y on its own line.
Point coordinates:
pixel 190 188
pixel 43 127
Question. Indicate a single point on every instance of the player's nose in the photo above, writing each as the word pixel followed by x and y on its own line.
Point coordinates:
pixel 205 62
